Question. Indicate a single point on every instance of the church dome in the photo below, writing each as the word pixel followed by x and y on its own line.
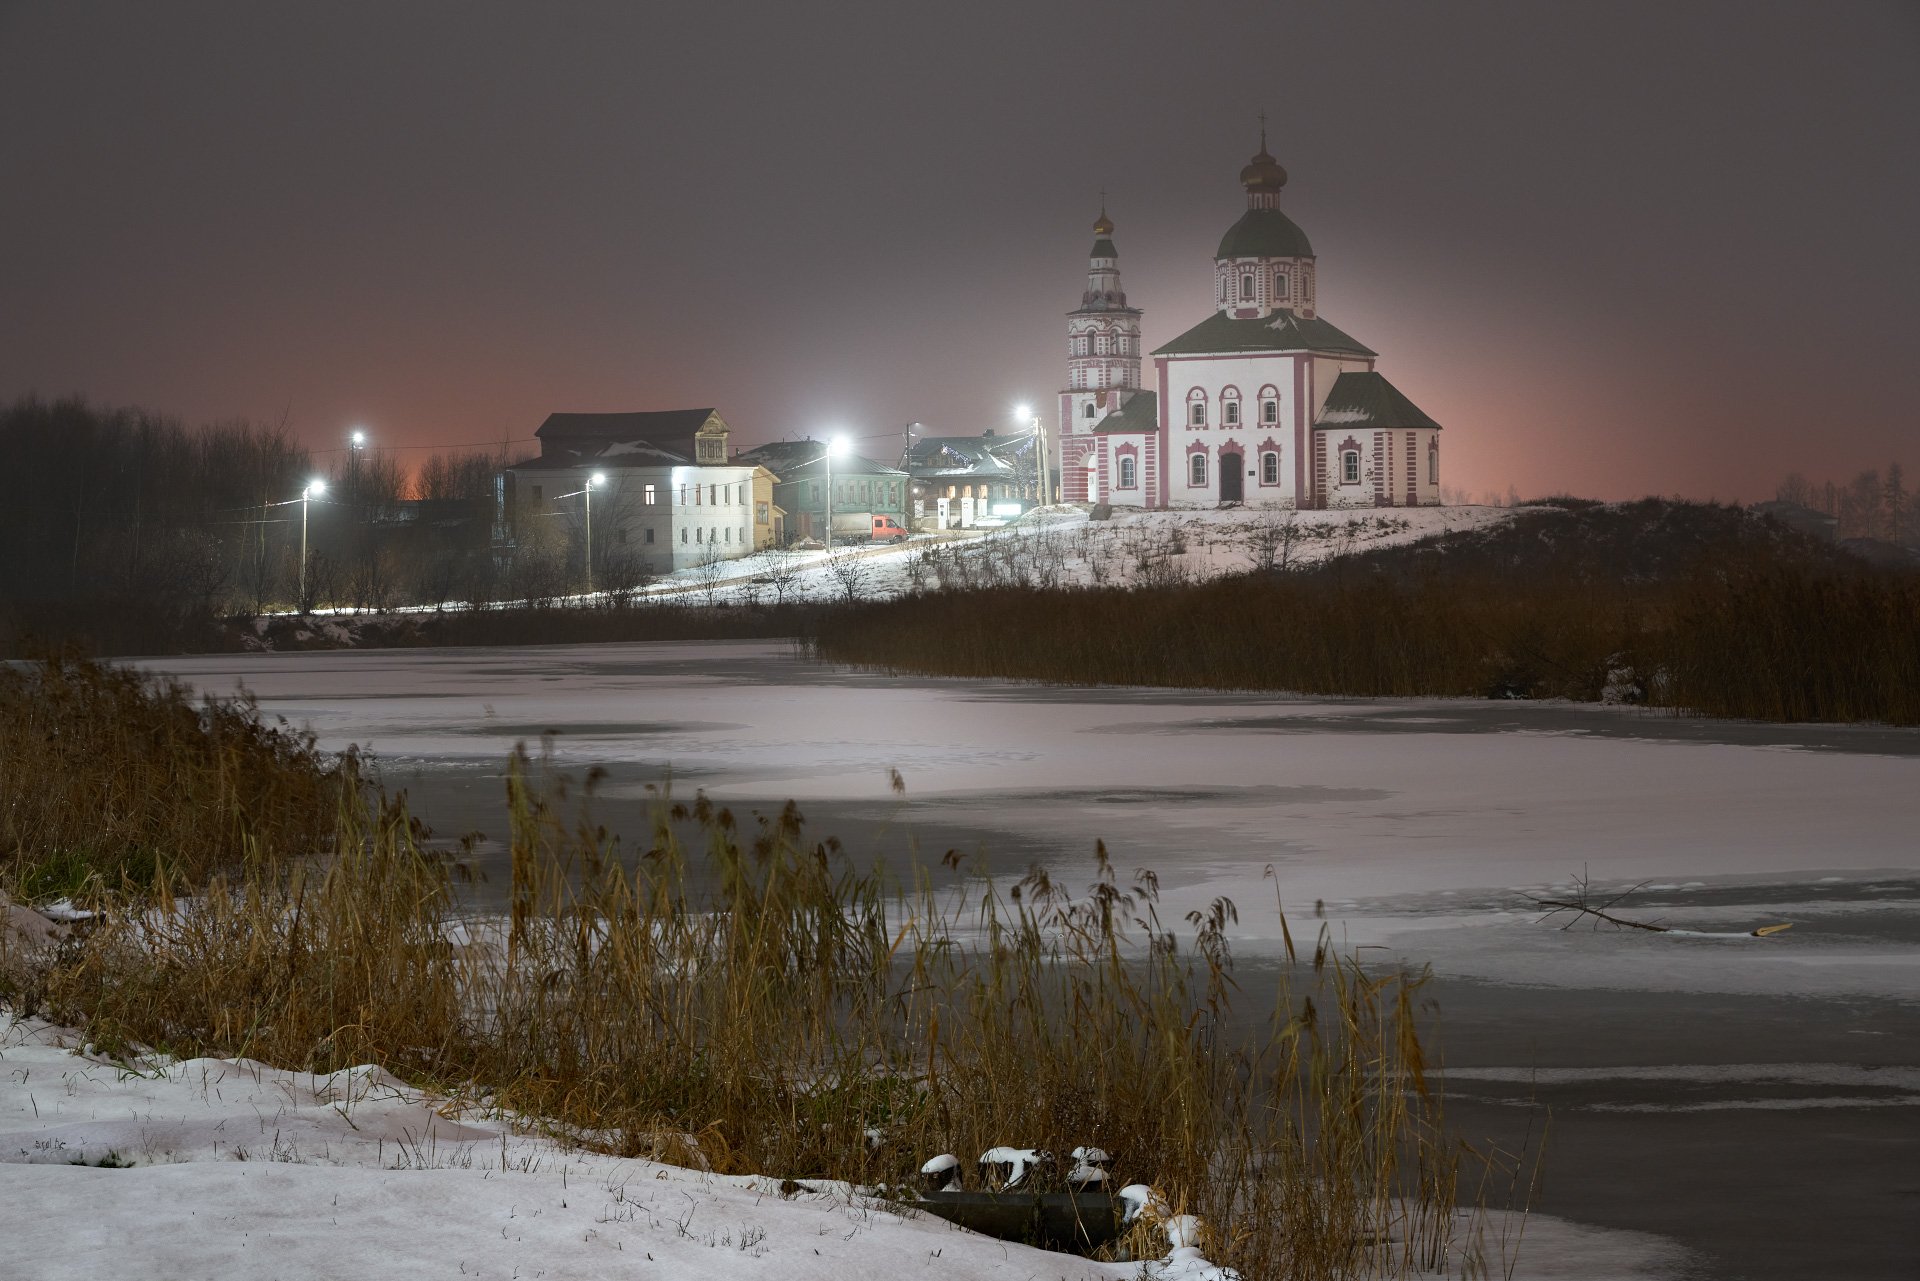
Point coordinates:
pixel 1263 172
pixel 1104 227
pixel 1264 233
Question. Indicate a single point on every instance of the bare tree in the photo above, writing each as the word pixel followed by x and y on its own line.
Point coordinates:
pixel 623 576
pixel 851 573
pixel 783 573
pixel 1270 539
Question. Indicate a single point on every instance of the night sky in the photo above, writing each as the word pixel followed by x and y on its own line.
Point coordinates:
pixel 1615 249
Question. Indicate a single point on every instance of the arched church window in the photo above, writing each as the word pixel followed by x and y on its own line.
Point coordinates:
pixel 1197 469
pixel 1246 287
pixel 1270 467
pixel 1088 411
pixel 1230 413
pixel 1196 408
pixel 1129 472
pixel 1280 285
pixel 1433 460
pixel 1350 467
pixel 1270 410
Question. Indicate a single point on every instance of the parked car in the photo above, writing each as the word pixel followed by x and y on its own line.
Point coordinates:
pixel 867 527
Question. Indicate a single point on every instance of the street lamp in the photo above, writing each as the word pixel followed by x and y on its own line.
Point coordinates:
pixel 835 445
pixel 598 478
pixel 1042 473
pixel 314 489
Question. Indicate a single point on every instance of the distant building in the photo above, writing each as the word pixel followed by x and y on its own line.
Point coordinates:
pixel 858 484
pixel 959 480
pixel 1264 402
pixel 670 498
pixel 1818 524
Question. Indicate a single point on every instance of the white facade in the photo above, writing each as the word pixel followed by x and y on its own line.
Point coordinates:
pixel 1263 404
pixel 666 517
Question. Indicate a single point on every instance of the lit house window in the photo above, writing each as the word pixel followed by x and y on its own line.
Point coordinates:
pixel 1129 472
pixel 1270 467
pixel 648 496
pixel 1197 469
pixel 1350 467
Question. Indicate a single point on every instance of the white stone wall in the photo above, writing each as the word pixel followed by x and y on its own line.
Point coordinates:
pixel 1214 383
pixel 668 517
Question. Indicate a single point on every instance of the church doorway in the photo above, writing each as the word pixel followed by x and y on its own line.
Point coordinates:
pixel 1233 478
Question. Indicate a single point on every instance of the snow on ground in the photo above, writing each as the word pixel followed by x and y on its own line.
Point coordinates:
pixel 1061 546
pixel 229 1168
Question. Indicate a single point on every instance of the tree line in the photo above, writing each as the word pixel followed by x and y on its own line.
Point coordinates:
pixel 1874 504
pixel 124 523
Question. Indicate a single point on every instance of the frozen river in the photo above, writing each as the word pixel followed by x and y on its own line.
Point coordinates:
pixel 1755 1101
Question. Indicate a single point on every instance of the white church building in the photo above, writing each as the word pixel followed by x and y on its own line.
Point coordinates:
pixel 1263 402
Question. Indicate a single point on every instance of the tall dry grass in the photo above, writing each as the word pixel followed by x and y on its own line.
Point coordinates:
pixel 1785 643
pixel 106 774
pixel 748 999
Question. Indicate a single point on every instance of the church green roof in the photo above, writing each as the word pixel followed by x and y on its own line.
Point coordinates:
pixel 1103 248
pixel 1139 414
pixel 1364 399
pixel 1264 233
pixel 1281 331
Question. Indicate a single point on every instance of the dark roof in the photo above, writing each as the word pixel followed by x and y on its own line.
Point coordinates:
pixel 845 465
pixel 1264 233
pixel 1140 413
pixel 781 453
pixel 1103 248
pixel 1364 399
pixel 665 424
pixel 1282 331
pixel 961 456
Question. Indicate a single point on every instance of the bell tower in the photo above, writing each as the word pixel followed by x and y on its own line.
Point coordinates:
pixel 1103 340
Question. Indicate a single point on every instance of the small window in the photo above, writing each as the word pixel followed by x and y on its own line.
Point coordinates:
pixel 815 500
pixel 743 536
pixel 536 493
pixel 649 537
pixel 1433 462
pixel 1128 472
pixel 1246 287
pixel 713 495
pixel 1088 411
pixel 1197 469
pixel 1350 467
pixel 760 513
pixel 1269 411
pixel 699 534
pixel 1280 285
pixel 1270 468
pixel 1231 413
pixel 683 533
pixel 729 533
pixel 647 496
pixel 1197 413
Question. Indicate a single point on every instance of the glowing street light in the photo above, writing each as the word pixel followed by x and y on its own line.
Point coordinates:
pixel 598 478
pixel 836 445
pixel 314 489
pixel 357 438
pixel 1024 413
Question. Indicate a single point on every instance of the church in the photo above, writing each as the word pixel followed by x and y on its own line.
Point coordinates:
pixel 1263 403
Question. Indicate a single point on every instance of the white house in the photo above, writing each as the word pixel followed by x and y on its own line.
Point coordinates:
pixel 1264 402
pixel 667 498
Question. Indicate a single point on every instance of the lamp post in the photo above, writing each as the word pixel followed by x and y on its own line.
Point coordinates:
pixel 1042 473
pixel 314 489
pixel 598 478
pixel 835 445
pixel 356 446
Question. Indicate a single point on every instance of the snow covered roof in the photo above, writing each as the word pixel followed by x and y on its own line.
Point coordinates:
pixel 1365 399
pixel 1282 331
pixel 1141 413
